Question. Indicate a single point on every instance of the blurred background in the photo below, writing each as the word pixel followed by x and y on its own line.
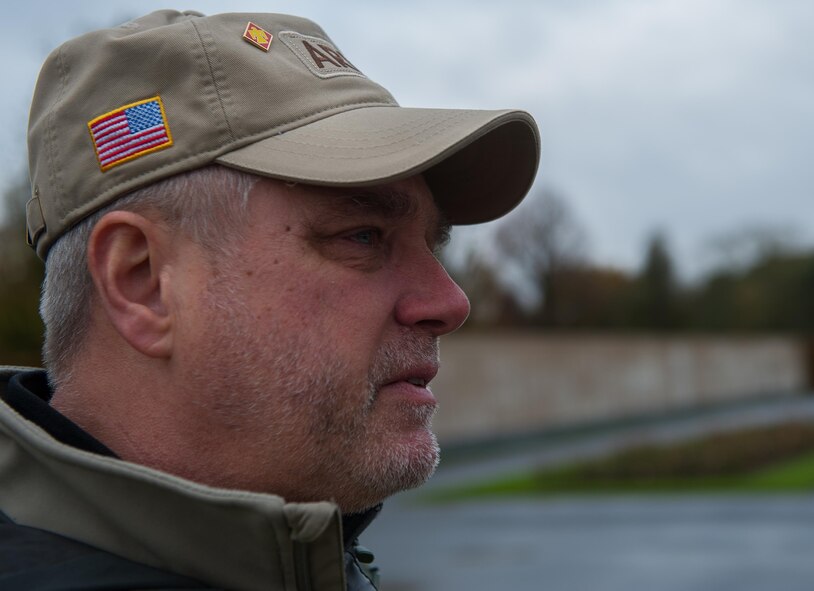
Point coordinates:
pixel 628 404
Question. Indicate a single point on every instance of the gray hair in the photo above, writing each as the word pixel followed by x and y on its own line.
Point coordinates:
pixel 209 205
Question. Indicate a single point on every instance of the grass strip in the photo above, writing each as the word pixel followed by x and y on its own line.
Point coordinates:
pixel 775 459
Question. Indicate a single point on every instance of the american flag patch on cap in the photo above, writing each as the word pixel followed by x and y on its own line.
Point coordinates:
pixel 129 132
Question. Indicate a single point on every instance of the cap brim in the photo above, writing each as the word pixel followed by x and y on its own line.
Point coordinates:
pixel 479 164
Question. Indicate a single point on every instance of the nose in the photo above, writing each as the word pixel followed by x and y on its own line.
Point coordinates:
pixel 431 300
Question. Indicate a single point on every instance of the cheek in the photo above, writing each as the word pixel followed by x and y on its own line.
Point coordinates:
pixel 294 299
pixel 333 299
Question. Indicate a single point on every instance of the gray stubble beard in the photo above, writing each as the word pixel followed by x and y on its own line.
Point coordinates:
pixel 364 467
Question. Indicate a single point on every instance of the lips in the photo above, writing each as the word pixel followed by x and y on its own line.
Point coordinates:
pixel 404 368
pixel 417 375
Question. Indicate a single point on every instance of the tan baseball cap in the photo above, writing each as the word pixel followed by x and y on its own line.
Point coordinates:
pixel 271 94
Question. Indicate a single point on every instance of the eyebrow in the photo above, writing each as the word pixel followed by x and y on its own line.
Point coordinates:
pixel 390 205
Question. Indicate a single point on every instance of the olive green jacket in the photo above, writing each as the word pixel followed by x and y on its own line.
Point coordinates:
pixel 226 539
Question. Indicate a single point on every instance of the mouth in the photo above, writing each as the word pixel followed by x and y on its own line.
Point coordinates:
pixel 418 376
pixel 408 386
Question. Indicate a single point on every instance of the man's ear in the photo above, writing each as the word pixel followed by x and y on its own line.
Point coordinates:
pixel 128 261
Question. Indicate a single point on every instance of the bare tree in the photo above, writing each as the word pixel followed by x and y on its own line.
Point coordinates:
pixel 542 235
pixel 507 273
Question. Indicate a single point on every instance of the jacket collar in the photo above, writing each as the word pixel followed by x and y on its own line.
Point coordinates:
pixel 354 524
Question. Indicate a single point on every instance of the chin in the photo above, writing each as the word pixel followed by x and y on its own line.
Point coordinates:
pixel 399 466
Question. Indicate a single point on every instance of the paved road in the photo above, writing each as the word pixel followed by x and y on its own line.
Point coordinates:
pixel 693 543
pixel 625 544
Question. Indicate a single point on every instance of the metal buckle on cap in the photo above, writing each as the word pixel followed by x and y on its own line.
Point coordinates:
pixel 34 219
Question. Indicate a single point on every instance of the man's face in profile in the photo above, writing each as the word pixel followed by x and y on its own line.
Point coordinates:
pixel 314 343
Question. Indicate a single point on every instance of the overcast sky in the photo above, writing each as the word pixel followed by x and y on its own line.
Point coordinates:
pixel 694 117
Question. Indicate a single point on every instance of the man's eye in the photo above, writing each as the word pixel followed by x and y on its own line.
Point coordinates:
pixel 366 237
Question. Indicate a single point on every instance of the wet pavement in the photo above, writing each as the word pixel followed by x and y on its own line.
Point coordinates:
pixel 658 543
pixel 622 544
